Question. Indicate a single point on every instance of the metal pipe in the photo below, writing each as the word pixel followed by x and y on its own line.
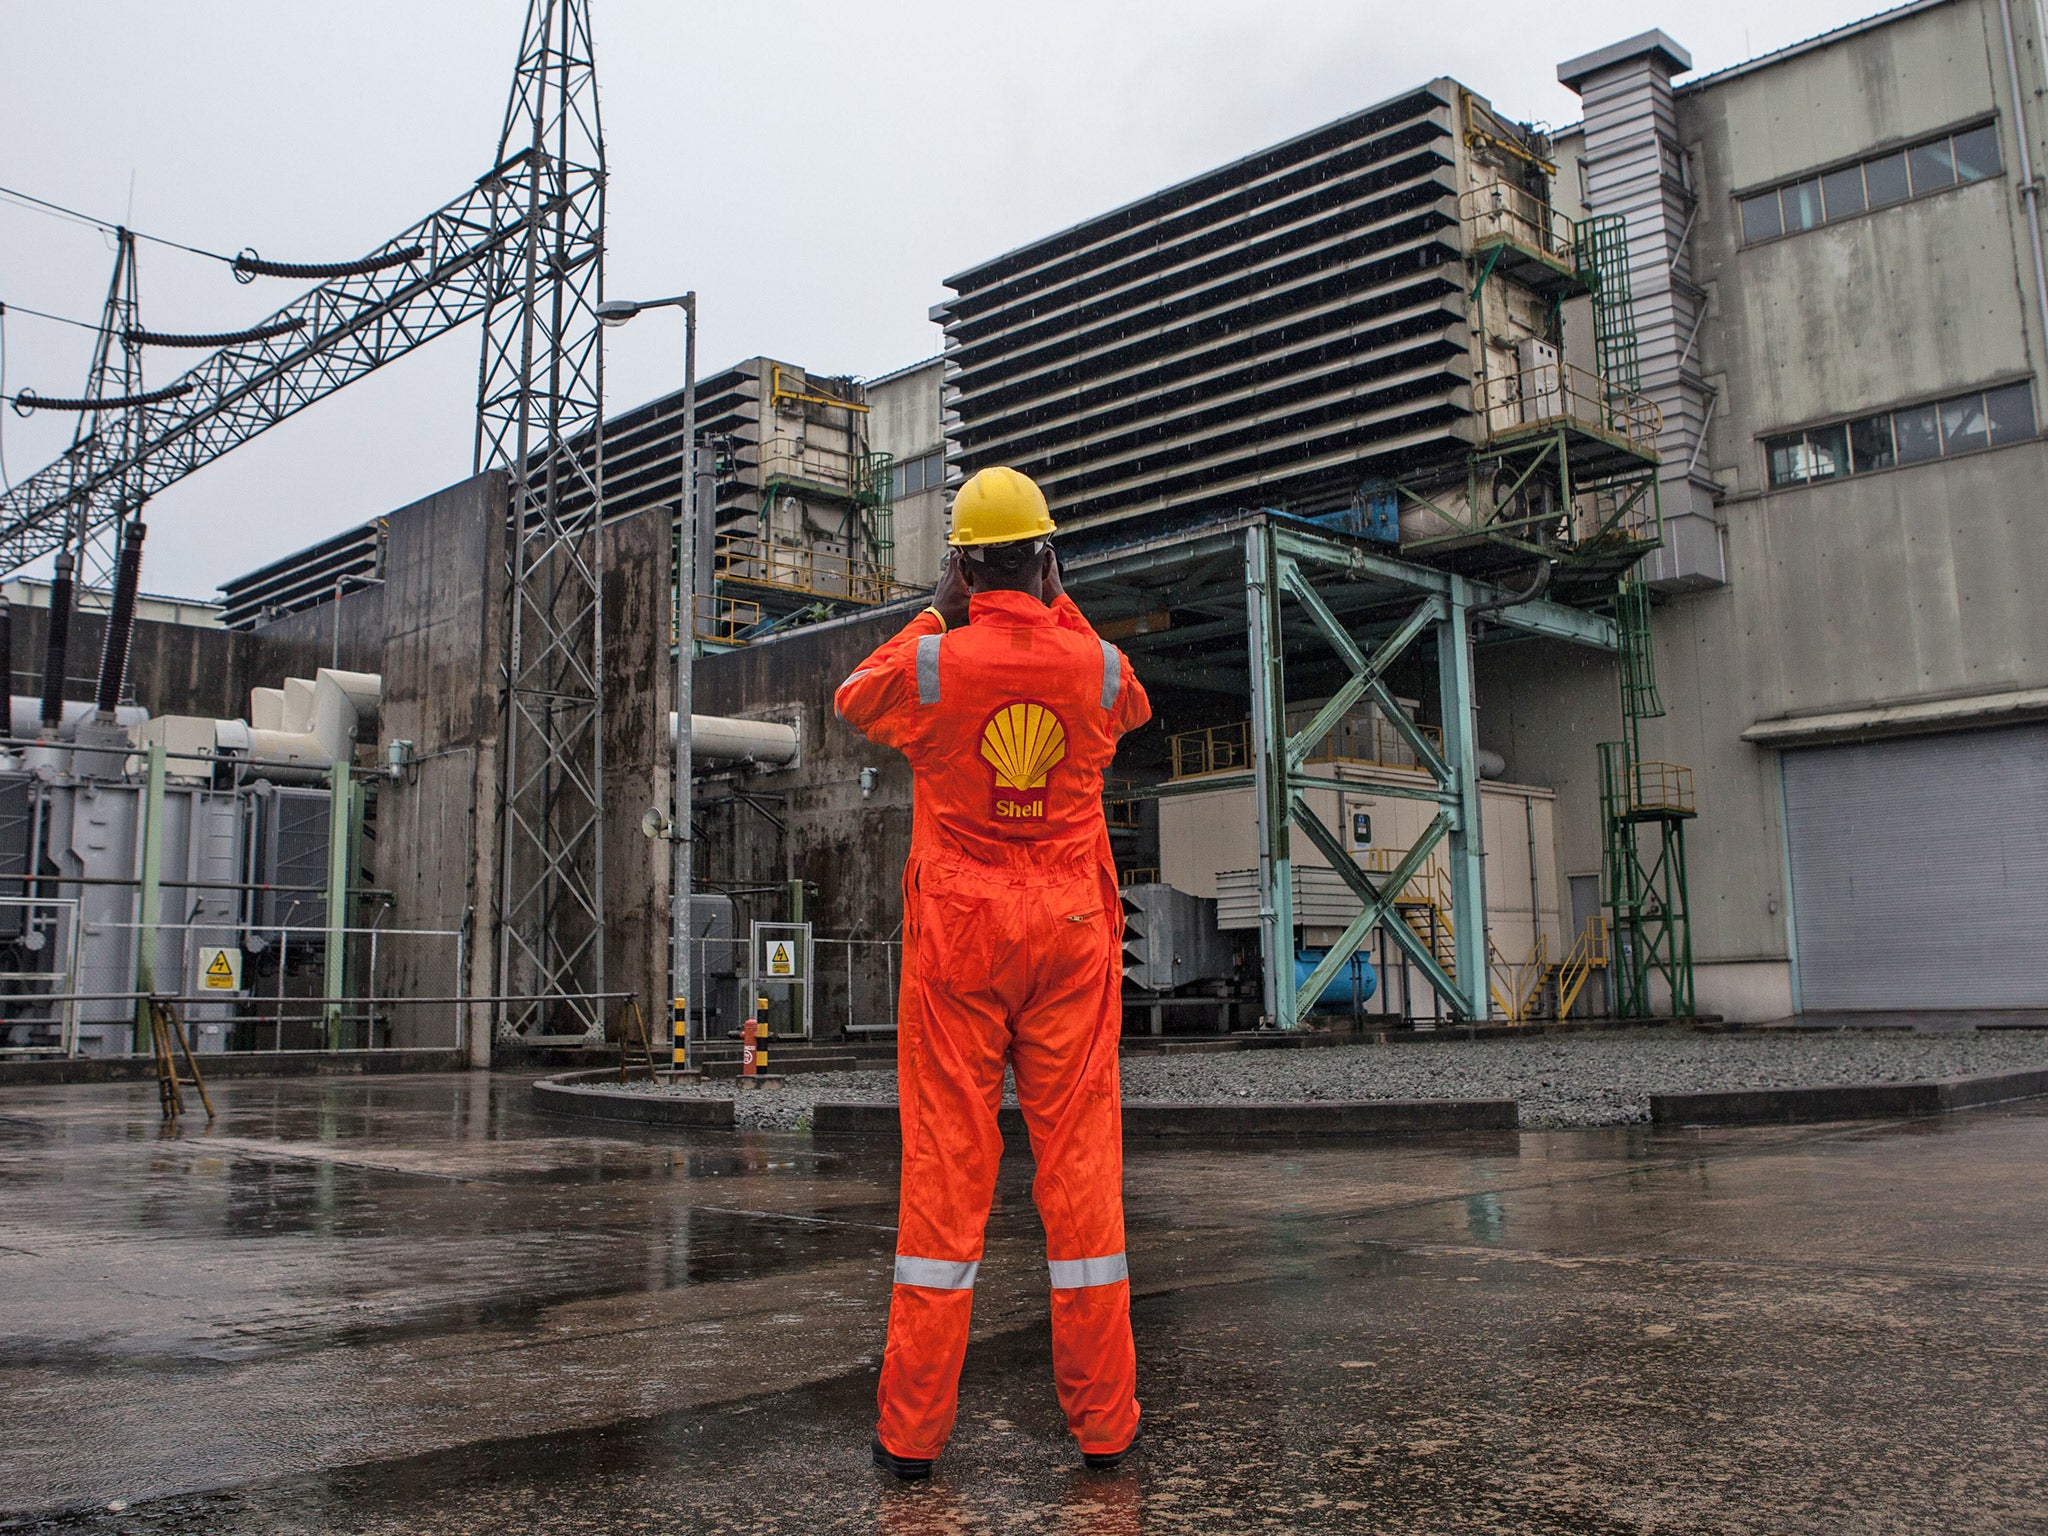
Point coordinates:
pixel 682 848
pixel 6 648
pixel 2028 189
pixel 149 889
pixel 726 739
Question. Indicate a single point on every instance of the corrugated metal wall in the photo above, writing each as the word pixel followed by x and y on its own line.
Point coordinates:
pixel 1920 871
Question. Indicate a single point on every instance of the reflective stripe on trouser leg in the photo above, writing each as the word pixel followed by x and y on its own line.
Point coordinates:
pixel 1064 1053
pixel 945 1274
pixel 1072 1274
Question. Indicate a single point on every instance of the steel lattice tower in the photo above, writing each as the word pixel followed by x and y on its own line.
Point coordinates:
pixel 106 437
pixel 540 387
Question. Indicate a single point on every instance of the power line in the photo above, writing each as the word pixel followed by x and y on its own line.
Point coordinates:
pixel 23 309
pixel 109 226
pixel 5 483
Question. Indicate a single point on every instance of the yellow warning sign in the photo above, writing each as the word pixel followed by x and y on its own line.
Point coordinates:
pixel 780 961
pixel 220 970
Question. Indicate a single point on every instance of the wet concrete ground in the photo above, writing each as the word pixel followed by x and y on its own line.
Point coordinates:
pixel 411 1305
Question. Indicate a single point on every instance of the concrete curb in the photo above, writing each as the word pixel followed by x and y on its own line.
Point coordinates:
pixel 562 1096
pixel 1361 1118
pixel 1848 1101
pixel 226 1064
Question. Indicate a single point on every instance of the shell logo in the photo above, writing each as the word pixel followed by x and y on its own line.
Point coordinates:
pixel 1023 743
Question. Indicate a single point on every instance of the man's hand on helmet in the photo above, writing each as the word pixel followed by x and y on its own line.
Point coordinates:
pixel 953 590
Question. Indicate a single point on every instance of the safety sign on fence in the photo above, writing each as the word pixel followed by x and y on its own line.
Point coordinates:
pixel 779 986
pixel 220 969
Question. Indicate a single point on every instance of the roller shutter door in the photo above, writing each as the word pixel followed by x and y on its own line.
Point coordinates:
pixel 1920 871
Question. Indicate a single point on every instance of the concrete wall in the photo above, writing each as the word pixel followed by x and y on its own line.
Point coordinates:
pixel 438 630
pixel 848 849
pixel 905 420
pixel 1917 300
pixel 173 669
pixel 638 766
pixel 435 630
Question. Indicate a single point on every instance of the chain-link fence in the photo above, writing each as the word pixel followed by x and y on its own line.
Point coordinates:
pixel 38 971
pixel 853 994
pixel 856 980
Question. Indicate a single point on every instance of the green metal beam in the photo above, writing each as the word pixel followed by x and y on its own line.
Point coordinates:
pixel 1271 794
pixel 1461 755
pixel 150 905
pixel 1555 621
pixel 1375 903
pixel 341 818
pixel 1399 788
pixel 1365 671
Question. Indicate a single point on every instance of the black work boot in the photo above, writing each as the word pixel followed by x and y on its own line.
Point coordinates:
pixel 1103 1461
pixel 909 1469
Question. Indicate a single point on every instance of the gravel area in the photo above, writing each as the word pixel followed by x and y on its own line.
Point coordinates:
pixel 1559 1080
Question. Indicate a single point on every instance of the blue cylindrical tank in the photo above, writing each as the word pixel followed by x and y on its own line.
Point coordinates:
pixel 1354 986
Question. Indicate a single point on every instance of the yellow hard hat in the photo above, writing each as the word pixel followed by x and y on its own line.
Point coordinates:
pixel 999 506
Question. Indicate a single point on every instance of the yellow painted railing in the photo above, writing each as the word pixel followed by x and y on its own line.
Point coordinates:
pixel 1559 393
pixel 1587 955
pixel 802 568
pixel 1120 813
pixel 1355 739
pixel 1504 211
pixel 1664 787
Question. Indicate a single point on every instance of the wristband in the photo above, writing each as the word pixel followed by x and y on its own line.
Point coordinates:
pixel 933 610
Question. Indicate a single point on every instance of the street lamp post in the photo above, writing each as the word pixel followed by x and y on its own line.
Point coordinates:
pixel 618 312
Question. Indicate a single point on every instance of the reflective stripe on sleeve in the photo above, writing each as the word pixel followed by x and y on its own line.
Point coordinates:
pixel 1112 674
pixel 928 669
pixel 938 1274
pixel 1073 1274
pixel 863 672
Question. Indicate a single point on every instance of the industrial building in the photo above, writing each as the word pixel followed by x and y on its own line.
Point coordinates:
pixel 1576 571
pixel 1849 651
pixel 1805 401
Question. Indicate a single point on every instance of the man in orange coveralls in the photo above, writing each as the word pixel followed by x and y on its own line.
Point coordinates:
pixel 1009 707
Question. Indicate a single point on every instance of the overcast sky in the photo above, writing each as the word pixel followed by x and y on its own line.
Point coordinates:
pixel 813 170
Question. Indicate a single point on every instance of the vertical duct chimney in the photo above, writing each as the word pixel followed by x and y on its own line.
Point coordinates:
pixel 120 622
pixel 57 649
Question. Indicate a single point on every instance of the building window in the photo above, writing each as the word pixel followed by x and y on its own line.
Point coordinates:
pixel 1985 418
pixel 1886 179
pixel 1919 170
pixel 1760 219
pixel 1843 192
pixel 1870 444
pixel 909 476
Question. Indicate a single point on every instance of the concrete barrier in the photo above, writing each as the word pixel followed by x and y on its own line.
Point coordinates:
pixel 226 1064
pixel 1358 1118
pixel 1844 1101
pixel 563 1096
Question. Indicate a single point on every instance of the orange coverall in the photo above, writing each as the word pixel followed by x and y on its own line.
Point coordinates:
pixel 1012 948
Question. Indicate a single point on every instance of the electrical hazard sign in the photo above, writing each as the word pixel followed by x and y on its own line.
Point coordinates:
pixel 781 958
pixel 220 970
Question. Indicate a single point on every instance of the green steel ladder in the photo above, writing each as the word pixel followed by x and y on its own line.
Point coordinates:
pixel 1644 875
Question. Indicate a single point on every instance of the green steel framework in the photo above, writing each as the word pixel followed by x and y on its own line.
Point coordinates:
pixel 1645 887
pixel 1364 610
